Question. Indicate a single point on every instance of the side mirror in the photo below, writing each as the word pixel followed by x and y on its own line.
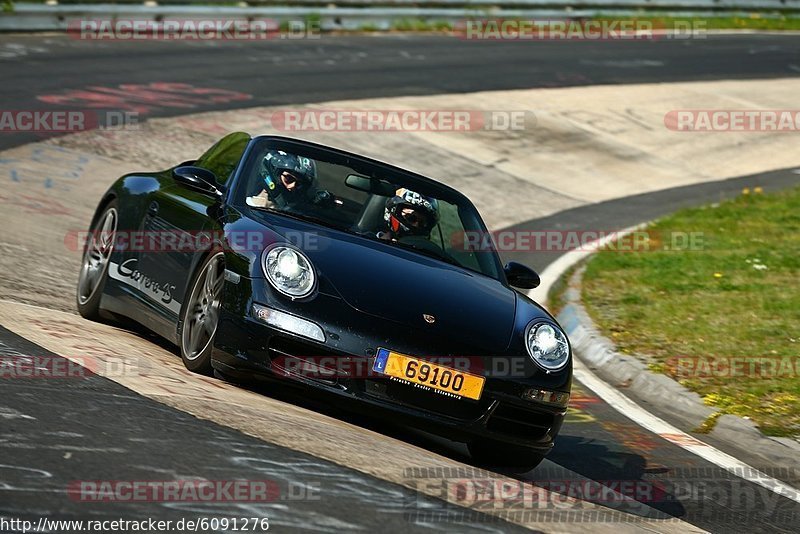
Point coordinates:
pixel 198 179
pixel 520 276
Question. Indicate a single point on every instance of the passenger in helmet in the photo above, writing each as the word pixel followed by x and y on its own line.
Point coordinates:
pixel 288 181
pixel 409 214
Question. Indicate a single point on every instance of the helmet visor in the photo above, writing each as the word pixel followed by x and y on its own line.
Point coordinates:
pixel 414 217
pixel 292 180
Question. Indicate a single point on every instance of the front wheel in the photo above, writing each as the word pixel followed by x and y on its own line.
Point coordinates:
pixel 96 259
pixel 498 454
pixel 200 315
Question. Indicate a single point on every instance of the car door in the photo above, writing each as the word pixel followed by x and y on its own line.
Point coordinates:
pixel 179 225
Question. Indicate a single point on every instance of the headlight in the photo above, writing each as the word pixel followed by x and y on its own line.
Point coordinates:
pixel 289 271
pixel 547 345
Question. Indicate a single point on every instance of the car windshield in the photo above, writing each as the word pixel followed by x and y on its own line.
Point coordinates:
pixel 375 201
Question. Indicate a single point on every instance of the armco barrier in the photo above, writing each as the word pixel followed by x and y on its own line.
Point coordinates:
pixel 375 15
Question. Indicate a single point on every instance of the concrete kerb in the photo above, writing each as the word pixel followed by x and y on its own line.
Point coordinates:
pixel 626 372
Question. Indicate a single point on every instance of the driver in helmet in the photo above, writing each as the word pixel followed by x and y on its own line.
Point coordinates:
pixel 288 182
pixel 409 214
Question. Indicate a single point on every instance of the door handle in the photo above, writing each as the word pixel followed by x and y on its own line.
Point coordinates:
pixel 152 209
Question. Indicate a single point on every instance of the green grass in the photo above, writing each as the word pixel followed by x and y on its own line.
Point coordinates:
pixel 738 296
pixel 745 21
pixel 748 21
pixel 419 25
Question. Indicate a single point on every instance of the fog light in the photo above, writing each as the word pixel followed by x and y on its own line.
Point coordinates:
pixel 290 323
pixel 558 398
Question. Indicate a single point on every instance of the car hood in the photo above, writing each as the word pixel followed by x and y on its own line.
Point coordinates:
pixel 403 286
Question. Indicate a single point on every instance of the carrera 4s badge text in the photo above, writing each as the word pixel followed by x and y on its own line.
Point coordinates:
pixel 142 282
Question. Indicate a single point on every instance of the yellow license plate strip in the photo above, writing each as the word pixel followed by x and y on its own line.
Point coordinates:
pixel 431 375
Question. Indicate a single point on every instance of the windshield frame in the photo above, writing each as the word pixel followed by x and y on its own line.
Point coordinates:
pixel 368 167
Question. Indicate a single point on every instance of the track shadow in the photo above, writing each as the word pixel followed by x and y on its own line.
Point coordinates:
pixel 573 463
pixel 592 459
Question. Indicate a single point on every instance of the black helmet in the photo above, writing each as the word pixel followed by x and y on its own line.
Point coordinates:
pixel 409 213
pixel 301 168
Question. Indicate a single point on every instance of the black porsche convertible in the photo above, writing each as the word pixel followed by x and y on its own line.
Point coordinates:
pixel 275 258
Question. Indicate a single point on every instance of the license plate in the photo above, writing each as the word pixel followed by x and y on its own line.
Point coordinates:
pixel 436 377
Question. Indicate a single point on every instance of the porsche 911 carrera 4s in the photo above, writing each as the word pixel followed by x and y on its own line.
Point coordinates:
pixel 279 259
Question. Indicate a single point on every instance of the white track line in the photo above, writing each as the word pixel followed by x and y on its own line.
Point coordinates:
pixel 636 413
pixel 658 426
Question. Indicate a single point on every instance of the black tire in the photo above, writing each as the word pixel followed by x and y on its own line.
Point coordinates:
pixel 94 262
pixel 200 314
pixel 514 458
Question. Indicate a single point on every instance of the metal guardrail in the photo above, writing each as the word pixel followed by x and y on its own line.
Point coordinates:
pixel 49 17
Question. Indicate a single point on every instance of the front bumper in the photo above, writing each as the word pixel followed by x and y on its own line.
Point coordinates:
pixel 246 348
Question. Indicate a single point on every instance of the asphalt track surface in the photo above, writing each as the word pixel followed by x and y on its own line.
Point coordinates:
pixel 345 67
pixel 72 432
pixel 79 420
